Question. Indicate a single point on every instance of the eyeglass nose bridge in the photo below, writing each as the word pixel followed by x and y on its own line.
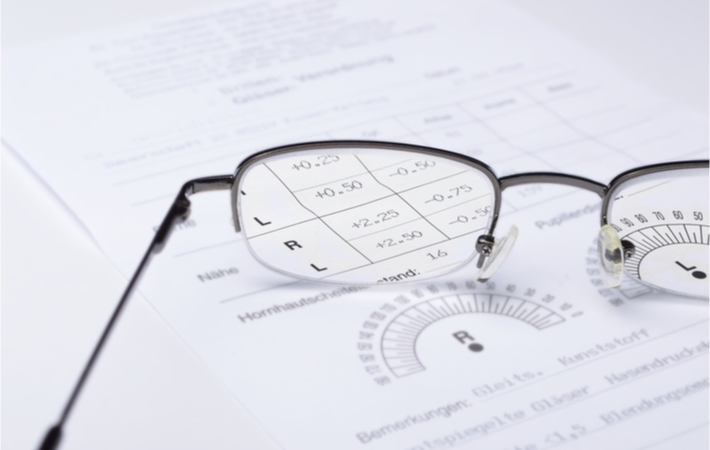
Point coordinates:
pixel 487 247
pixel 553 178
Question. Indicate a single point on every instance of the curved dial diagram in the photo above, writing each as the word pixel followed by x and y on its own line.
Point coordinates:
pixel 662 220
pixel 450 325
pixel 670 251
pixel 398 342
pixel 679 244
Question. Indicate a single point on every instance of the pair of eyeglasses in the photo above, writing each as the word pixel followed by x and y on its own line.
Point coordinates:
pixel 363 212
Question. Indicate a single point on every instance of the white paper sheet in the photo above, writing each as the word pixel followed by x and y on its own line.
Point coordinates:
pixel 117 120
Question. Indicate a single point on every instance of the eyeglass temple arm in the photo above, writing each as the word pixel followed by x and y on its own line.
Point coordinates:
pixel 179 212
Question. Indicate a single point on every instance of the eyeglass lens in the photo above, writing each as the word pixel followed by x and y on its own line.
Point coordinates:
pixel 364 215
pixel 369 215
pixel 664 216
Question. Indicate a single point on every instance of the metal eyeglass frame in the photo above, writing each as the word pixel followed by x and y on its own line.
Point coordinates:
pixel 180 210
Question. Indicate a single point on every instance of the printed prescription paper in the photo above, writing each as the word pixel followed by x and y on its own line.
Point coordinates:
pixel 541 356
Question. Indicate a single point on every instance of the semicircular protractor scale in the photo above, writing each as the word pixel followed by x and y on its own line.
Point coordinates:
pixel 398 343
pixel 672 257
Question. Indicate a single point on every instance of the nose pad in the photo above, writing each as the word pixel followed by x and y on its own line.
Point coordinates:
pixel 610 253
pixel 490 263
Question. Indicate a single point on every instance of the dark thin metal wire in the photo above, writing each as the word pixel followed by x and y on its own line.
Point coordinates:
pixel 107 330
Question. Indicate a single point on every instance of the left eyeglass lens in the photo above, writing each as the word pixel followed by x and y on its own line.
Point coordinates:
pixel 364 215
pixel 664 216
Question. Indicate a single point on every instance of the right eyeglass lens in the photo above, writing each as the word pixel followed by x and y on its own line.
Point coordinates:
pixel 664 218
pixel 364 215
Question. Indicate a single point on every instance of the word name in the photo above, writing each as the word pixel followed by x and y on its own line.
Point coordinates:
pixel 215 274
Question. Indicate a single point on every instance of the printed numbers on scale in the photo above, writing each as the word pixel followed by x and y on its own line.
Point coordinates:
pixel 417 167
pixel 405 237
pixel 452 193
pixel 347 187
pixel 657 216
pixel 322 160
pixel 381 217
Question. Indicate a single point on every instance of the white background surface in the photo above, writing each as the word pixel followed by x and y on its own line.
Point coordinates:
pixel 148 390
